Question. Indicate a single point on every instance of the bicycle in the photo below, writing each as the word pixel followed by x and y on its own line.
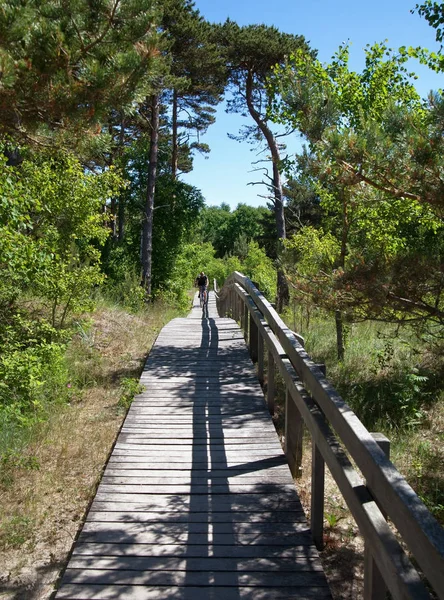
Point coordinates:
pixel 203 296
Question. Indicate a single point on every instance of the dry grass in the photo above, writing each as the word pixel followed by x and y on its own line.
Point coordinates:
pixel 44 499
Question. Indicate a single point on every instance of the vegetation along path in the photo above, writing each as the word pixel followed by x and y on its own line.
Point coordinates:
pixel 197 500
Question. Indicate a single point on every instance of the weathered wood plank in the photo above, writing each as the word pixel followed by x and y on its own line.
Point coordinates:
pixel 303 549
pixel 103 592
pixel 219 502
pixel 302 578
pixel 97 515
pixel 163 528
pixel 205 563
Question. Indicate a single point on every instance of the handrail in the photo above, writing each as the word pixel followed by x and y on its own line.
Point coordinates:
pixel 378 490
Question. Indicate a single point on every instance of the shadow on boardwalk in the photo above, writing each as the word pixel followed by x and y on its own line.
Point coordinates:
pixel 196 501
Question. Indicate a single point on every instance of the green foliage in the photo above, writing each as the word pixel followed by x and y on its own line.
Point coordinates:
pixel 15 531
pixel 129 388
pixel 51 225
pixel 433 12
pixel 374 160
pixel 260 269
pixel 51 228
pixel 231 232
pixel 64 65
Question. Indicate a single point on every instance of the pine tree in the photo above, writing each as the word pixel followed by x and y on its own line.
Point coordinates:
pixel 251 53
pixel 64 64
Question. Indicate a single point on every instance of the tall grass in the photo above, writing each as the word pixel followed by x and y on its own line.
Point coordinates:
pixel 395 385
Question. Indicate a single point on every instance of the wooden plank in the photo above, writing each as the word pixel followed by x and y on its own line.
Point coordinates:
pixel 188 539
pixel 162 528
pixel 205 563
pixel 219 502
pixel 301 578
pixel 102 592
pixel 143 516
pixel 117 471
pixel 303 549
pixel 216 488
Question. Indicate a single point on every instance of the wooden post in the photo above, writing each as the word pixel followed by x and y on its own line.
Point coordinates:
pixel 253 339
pixel 270 383
pixel 374 584
pixel 246 314
pixel 260 358
pixel 317 496
pixel 293 435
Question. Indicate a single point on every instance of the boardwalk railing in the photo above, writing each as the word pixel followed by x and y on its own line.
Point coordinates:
pixel 372 487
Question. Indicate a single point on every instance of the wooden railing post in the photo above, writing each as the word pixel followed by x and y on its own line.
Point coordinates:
pixel 235 306
pixel 241 314
pixel 374 585
pixel 253 339
pixel 260 358
pixel 317 496
pixel 246 315
pixel 293 435
pixel 270 383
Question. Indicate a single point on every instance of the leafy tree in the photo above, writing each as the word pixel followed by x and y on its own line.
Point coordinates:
pixel 214 222
pixel 373 153
pixel 51 227
pixel 195 77
pixel 52 224
pixel 433 12
pixel 232 232
pixel 251 53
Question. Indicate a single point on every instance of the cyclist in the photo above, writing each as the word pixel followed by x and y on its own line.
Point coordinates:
pixel 202 283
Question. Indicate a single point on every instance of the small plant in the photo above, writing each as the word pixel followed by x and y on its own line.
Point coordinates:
pixel 128 389
pixel 332 519
pixel 15 531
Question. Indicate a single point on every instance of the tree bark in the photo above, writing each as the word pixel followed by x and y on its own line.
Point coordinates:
pixel 339 320
pixel 283 294
pixel 175 149
pixel 121 207
pixel 339 334
pixel 147 231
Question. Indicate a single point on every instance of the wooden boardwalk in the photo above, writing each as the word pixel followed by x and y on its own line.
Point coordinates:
pixel 197 501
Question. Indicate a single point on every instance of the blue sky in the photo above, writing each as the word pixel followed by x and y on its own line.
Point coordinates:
pixel 325 24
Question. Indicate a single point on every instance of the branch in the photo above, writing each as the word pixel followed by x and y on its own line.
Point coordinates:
pixel 105 31
pixel 393 191
pixel 412 305
pixel 79 35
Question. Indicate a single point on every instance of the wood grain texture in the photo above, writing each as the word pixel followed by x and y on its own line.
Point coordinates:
pixel 197 500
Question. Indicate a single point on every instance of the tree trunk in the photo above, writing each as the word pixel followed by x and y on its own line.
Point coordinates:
pixel 121 207
pixel 113 211
pixel 339 334
pixel 147 231
pixel 283 294
pixel 121 220
pixel 175 149
pixel 341 263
